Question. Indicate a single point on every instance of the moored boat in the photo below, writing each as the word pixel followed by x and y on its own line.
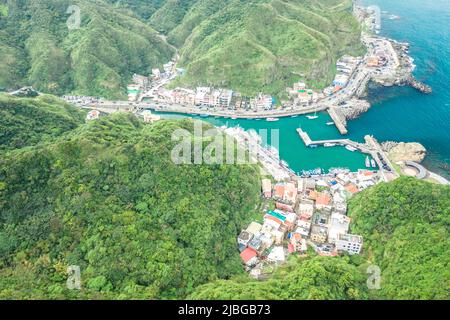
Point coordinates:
pixel 272 119
pixel 328 145
pixel 367 162
pixel 350 148
pixel 374 164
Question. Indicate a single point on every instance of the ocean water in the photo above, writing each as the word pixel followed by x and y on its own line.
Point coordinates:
pixel 403 114
pixel 398 113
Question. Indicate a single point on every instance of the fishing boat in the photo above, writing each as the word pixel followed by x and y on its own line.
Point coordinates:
pixel 313 146
pixel 315 116
pixel 350 148
pixel 374 164
pixel 272 119
pixel 328 145
pixel 367 162
pixel 330 123
pixel 295 116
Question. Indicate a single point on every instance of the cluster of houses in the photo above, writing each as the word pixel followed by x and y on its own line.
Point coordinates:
pixel 302 95
pixel 345 67
pixel 307 212
pixel 219 98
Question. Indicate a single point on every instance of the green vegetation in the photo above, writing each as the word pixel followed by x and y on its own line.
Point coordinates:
pixel 406 230
pixel 262 45
pixel 265 45
pixel 316 278
pixel 405 226
pixel 98 59
pixel 108 198
pixel 27 122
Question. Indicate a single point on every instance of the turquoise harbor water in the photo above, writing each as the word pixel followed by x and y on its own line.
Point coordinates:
pixel 398 114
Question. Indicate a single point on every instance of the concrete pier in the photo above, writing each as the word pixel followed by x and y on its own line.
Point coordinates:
pixel 340 125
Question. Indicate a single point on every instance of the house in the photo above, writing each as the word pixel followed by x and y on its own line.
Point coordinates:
pixel 254 228
pixel 298 243
pixel 249 257
pixel 349 243
pixel 339 224
pixel 267 188
pixel 244 238
pixel 290 193
pixel 92 115
pixel 279 191
pixel 352 188
pixel 277 255
pixel 134 90
pixel 149 117
pixel 304 223
pixel 256 244
pixel 141 80
pixel 321 218
pixel 284 207
pixel 306 208
pixel 156 73
pixel 290 222
pixel 319 234
pixel 323 200
pixel 278 236
pixel 302 231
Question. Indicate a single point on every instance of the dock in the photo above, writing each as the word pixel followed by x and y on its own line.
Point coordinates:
pixel 371 147
pixel 340 124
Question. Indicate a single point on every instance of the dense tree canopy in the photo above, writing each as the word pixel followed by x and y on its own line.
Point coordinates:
pixel 108 198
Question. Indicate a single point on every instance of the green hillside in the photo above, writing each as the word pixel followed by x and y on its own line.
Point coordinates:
pixel 317 278
pixel 37 48
pixel 265 45
pixel 26 122
pixel 108 198
pixel 249 46
pixel 405 225
pixel 406 228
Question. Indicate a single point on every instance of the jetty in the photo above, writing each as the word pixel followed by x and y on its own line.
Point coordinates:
pixel 371 147
pixel 340 124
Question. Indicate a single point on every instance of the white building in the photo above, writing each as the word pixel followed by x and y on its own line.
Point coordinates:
pixel 92 115
pixel 349 243
pixel 339 224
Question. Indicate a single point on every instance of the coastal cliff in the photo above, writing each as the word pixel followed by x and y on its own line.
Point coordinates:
pixel 402 151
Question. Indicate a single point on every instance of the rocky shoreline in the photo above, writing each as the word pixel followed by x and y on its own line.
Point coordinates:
pixel 404 151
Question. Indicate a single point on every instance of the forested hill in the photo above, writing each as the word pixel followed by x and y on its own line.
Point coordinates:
pixel 26 122
pixel 108 198
pixel 405 225
pixel 248 46
pixel 37 48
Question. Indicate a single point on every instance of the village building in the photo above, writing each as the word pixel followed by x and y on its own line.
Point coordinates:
pixel 284 207
pixel 267 188
pixel 244 238
pixel 277 255
pixel 298 243
pixel 339 224
pixel 306 208
pixel 323 200
pixel 249 257
pixel 254 228
pixel 290 193
pixel 319 234
pixel 279 191
pixel 93 115
pixel 256 244
pixel 149 117
pixel 349 243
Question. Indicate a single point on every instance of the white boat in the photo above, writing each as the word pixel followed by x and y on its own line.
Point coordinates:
pixel 233 117
pixel 272 119
pixel 350 148
pixel 374 164
pixel 294 116
pixel 367 162
pixel 312 117
pixel 330 123
pixel 328 145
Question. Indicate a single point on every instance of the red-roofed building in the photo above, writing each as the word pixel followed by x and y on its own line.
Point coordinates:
pixel 249 257
pixel 279 191
pixel 284 207
pixel 351 188
pixel 323 200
